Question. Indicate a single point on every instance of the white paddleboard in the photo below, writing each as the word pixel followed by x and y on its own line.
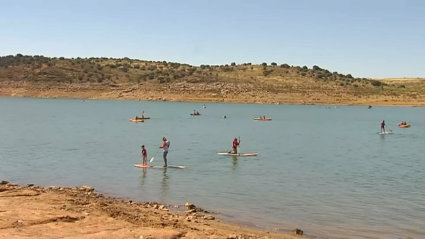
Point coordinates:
pixel 139 165
pixel 385 133
pixel 242 154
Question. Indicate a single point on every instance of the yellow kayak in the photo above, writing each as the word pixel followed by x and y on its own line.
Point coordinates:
pixel 404 126
pixel 136 120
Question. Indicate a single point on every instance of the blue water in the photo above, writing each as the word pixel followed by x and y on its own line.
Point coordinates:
pixel 326 171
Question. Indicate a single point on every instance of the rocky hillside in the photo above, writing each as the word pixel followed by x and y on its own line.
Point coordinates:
pixel 219 81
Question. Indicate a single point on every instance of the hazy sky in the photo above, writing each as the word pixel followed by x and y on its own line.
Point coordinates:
pixel 367 38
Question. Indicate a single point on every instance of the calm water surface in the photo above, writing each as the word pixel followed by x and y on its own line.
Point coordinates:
pixel 326 171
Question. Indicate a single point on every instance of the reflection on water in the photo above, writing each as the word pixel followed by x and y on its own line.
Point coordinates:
pixel 235 161
pixel 143 176
pixel 164 182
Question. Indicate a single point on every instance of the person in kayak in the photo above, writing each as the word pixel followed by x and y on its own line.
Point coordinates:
pixel 235 146
pixel 144 155
pixel 165 145
pixel 383 126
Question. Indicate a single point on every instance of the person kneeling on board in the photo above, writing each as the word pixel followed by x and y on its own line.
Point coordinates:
pixel 165 145
pixel 144 155
pixel 235 146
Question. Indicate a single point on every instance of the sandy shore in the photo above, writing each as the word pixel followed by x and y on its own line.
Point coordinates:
pixel 80 212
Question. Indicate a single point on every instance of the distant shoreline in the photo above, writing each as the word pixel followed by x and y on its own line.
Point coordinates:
pixel 88 93
pixel 135 79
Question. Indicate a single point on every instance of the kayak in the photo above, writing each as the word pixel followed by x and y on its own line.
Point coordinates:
pixel 266 119
pixel 404 126
pixel 138 120
pixel 195 114
pixel 244 154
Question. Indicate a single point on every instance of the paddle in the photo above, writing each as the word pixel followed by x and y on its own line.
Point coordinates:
pixel 239 146
pixel 154 155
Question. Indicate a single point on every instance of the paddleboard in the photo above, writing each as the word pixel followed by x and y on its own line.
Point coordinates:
pixel 385 132
pixel 243 155
pixel 139 165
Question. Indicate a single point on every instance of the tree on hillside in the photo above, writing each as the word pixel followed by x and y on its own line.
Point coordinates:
pixel 316 68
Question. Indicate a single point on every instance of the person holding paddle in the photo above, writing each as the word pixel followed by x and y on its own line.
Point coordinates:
pixel 165 145
pixel 144 155
pixel 383 126
pixel 235 146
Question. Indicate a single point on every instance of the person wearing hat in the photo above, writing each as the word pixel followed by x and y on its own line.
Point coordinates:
pixel 165 145
pixel 144 155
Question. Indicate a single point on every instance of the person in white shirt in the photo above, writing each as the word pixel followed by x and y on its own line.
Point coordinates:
pixel 165 145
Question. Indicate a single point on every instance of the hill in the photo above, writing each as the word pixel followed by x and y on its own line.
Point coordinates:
pixel 108 78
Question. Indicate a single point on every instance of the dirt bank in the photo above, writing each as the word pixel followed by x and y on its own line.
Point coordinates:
pixel 79 212
pixel 200 92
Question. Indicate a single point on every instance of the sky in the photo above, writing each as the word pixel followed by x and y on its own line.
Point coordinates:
pixel 365 38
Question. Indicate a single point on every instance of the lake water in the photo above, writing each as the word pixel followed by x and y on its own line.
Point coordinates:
pixel 326 171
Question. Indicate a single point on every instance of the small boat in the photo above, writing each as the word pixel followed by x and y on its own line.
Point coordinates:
pixel 137 120
pixel 263 119
pixel 404 125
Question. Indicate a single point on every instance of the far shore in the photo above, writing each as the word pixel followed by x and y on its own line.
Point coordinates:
pixel 86 93
pixel 81 212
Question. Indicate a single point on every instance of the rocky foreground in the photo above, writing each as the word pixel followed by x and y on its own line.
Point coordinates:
pixel 79 212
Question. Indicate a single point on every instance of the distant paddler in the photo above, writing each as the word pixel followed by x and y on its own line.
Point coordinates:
pixel 144 155
pixel 383 126
pixel 235 146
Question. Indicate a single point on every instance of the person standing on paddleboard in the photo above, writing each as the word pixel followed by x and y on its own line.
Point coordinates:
pixel 144 155
pixel 383 126
pixel 165 145
pixel 235 146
